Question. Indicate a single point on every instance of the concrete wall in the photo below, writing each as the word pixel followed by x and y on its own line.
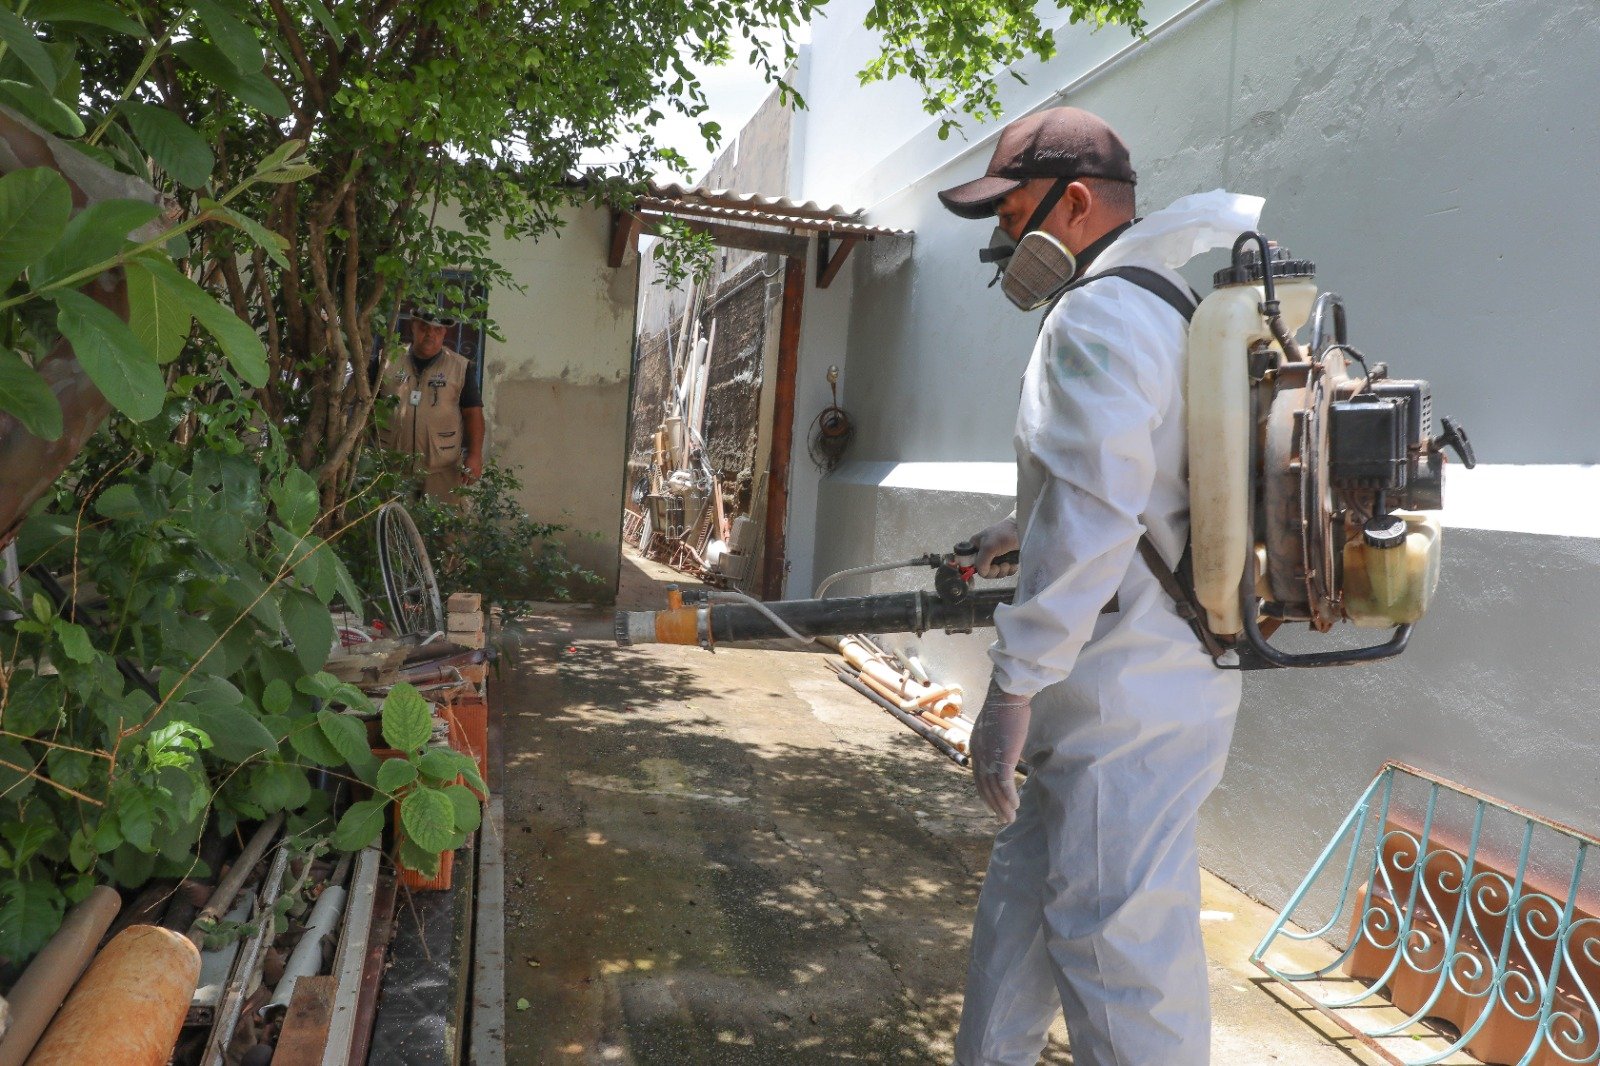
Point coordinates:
pixel 556 389
pixel 1437 161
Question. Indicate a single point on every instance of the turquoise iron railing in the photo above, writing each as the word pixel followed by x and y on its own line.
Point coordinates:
pixel 1451 906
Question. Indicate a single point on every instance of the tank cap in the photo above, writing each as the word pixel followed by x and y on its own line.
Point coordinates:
pixel 1384 531
pixel 1246 269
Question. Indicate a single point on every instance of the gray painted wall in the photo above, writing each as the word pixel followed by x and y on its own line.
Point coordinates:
pixel 1438 161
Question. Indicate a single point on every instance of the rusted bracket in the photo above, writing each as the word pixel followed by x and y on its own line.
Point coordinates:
pixel 828 260
pixel 625 227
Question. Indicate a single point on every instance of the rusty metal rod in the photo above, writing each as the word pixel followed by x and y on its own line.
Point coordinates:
pixel 229 887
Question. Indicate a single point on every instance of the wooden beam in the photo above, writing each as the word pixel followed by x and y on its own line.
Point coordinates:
pixel 750 240
pixel 828 260
pixel 304 1037
pixel 625 228
pixel 774 566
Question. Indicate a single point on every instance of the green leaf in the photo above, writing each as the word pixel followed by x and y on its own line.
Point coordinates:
pixel 289 175
pixel 306 738
pixel 30 912
pixel 28 48
pixel 137 817
pixel 43 107
pixel 111 355
pixel 95 234
pixel 349 738
pixel 310 627
pixel 268 241
pixel 159 319
pixel 75 641
pixel 176 148
pixel 440 764
pixel 326 20
pixel 34 207
pixel 239 341
pixel 279 155
pixel 252 88
pixel 91 12
pixel 429 818
pixel 120 503
pixel 236 40
pixel 414 857
pixel 277 697
pixel 70 768
pixel 236 735
pixel 81 851
pixel 469 812
pixel 395 774
pixel 361 825
pixel 346 586
pixel 23 393
pixel 407 720
pixel 522 1003
pixel 297 502
pixel 279 786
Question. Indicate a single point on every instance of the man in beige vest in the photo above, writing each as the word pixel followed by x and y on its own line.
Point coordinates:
pixel 439 416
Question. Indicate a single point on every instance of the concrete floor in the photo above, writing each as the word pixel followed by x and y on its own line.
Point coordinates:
pixel 734 858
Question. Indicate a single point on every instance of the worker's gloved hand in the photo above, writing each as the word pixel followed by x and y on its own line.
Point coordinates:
pixel 997 740
pixel 997 540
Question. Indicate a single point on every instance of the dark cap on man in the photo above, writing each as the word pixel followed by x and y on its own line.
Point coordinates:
pixel 1062 142
pixel 433 316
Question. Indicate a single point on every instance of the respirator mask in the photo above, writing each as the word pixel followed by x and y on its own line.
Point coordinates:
pixel 1033 270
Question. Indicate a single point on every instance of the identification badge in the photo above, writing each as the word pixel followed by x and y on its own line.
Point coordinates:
pixel 416 397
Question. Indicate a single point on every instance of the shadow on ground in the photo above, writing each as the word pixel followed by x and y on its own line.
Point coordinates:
pixel 724 858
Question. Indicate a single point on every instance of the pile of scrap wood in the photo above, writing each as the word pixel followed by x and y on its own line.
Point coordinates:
pixel 900 686
pixel 273 950
pixel 682 515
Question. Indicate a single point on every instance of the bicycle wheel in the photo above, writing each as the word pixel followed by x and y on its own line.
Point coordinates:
pixel 414 604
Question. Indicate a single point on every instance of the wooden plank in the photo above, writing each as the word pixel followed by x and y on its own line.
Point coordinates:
pixel 624 237
pixel 304 1036
pixel 487 1044
pixel 773 565
pixel 729 236
pixel 830 261
pixel 351 957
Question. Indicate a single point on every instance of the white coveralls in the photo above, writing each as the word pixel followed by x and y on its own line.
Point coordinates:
pixel 1092 898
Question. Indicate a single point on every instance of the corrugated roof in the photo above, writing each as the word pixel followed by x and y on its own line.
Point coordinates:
pixel 765 210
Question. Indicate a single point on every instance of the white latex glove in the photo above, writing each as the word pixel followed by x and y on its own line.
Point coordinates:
pixel 997 741
pixel 997 540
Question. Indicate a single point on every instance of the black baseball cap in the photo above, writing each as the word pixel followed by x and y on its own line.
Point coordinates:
pixel 1062 142
pixel 433 316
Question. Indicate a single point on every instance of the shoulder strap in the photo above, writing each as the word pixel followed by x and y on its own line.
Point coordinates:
pixel 1181 301
pixel 1182 594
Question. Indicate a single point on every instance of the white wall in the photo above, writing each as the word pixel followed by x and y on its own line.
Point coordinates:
pixel 556 389
pixel 1438 162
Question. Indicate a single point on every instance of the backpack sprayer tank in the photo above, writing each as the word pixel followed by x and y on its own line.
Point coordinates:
pixel 1307 485
pixel 1308 491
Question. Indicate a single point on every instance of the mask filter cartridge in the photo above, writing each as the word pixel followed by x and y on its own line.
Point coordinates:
pixel 1039 269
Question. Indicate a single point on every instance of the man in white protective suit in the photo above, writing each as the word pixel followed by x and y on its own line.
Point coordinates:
pixel 1092 899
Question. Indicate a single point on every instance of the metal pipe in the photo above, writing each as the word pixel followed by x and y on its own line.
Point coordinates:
pixel 306 958
pixel 915 724
pixel 43 986
pixel 248 969
pixel 229 887
pixel 899 612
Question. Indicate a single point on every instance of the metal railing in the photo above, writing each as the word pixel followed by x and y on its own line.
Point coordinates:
pixel 1454 907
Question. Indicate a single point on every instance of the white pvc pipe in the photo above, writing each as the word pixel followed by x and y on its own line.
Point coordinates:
pixel 306 959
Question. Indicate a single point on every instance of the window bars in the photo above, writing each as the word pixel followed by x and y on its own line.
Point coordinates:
pixel 1448 905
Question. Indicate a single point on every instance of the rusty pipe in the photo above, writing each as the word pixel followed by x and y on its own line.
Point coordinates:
pixel 222 898
pixel 43 986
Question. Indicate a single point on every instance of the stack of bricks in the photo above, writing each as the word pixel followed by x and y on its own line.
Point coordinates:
pixel 464 625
